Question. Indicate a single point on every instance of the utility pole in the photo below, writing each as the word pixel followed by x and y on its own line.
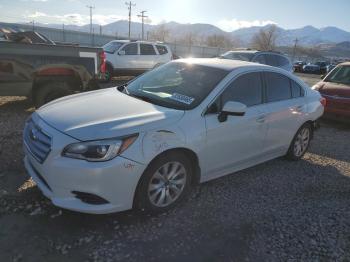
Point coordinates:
pixel 295 48
pixel 32 22
pixel 90 7
pixel 142 17
pixel 130 5
pixel 64 33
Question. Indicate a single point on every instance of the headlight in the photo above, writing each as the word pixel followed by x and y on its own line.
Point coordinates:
pixel 100 150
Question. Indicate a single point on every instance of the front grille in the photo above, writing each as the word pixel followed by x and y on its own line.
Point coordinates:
pixel 39 176
pixel 37 142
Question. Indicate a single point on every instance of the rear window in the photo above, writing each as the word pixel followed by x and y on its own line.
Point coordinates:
pixel 162 50
pixel 282 61
pixel 238 56
pixel 271 60
pixel 277 87
pixel 147 49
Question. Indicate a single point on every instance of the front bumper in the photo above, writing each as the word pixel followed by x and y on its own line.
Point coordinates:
pixel 58 177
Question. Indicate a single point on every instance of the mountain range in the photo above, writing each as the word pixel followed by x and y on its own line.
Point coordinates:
pixel 307 35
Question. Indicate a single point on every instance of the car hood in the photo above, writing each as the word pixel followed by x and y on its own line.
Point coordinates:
pixel 334 89
pixel 105 114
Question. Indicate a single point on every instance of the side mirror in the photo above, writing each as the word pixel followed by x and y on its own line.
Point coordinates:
pixel 232 109
pixel 121 52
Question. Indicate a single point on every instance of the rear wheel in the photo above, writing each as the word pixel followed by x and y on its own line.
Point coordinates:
pixel 165 183
pixel 50 91
pixel 300 143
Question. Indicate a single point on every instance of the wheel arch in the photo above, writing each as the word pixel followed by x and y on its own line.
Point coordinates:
pixel 186 151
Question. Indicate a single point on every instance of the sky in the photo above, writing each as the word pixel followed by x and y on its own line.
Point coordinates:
pixel 228 15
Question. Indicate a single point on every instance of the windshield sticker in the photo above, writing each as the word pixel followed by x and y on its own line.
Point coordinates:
pixel 182 98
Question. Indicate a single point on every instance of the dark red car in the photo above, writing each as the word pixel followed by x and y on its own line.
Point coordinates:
pixel 335 87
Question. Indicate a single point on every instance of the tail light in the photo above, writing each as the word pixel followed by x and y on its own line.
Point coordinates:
pixel 323 101
pixel 103 62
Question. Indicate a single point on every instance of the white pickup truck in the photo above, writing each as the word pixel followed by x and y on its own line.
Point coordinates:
pixel 124 57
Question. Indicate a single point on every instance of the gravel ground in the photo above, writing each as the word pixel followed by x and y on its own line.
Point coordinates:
pixel 276 211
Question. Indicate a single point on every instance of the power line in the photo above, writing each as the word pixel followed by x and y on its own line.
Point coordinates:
pixel 130 5
pixel 142 17
pixel 90 7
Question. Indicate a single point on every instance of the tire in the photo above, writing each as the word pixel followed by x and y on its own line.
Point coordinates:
pixel 159 189
pixel 300 143
pixel 50 91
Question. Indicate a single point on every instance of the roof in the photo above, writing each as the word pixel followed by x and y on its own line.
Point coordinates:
pixel 253 51
pixel 225 64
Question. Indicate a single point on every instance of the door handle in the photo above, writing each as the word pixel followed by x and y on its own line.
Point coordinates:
pixel 261 119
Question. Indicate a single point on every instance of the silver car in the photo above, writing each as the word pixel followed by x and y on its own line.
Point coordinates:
pixel 270 58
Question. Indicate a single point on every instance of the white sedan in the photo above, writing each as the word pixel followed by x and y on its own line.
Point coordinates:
pixel 145 144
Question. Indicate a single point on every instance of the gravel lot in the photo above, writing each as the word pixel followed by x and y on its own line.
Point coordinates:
pixel 276 211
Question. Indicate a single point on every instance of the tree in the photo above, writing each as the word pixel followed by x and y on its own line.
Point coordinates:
pixel 160 33
pixel 265 39
pixel 220 41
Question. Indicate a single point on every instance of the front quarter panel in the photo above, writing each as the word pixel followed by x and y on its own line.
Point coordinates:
pixel 152 143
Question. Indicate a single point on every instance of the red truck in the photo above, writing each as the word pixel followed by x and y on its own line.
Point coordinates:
pixel 32 65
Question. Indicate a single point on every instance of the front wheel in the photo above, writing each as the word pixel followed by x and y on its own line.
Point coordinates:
pixel 300 143
pixel 164 184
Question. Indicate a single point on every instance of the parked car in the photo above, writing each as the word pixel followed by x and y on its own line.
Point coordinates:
pixel 335 87
pixel 145 144
pixel 33 66
pixel 126 57
pixel 266 58
pixel 298 66
pixel 330 67
pixel 323 66
pixel 311 69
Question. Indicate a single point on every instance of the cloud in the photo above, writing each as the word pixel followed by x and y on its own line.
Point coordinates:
pixel 34 1
pixel 37 14
pixel 234 24
pixel 79 19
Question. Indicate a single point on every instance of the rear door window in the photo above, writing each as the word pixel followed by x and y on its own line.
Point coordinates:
pixel 246 89
pixel 277 87
pixel 147 49
pixel 162 50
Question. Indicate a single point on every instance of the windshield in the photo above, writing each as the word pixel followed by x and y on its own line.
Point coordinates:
pixel 340 74
pixel 177 85
pixel 238 56
pixel 111 47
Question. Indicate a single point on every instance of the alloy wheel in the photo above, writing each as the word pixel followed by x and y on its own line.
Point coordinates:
pixel 167 184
